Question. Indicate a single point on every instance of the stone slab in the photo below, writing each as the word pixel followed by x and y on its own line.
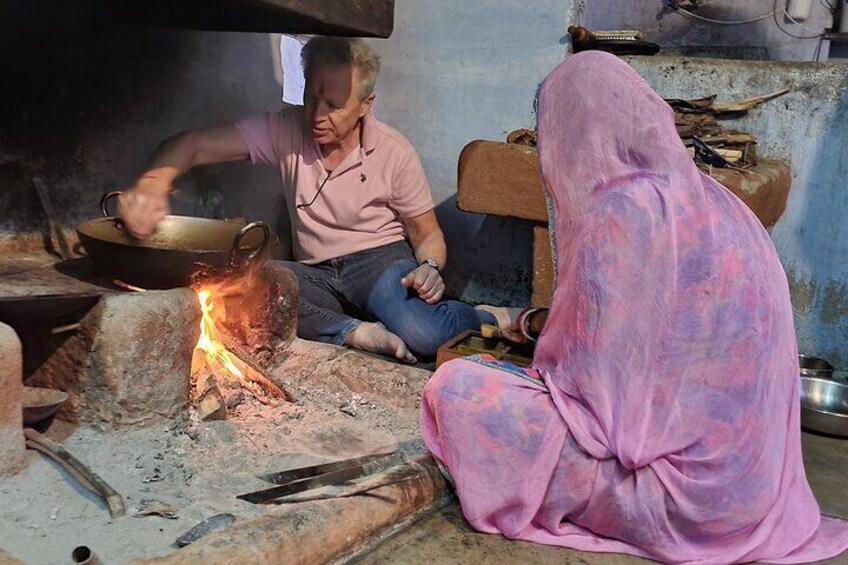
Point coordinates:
pixel 130 361
pixel 12 456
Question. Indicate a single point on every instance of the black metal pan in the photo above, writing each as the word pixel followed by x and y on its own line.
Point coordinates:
pixel 182 250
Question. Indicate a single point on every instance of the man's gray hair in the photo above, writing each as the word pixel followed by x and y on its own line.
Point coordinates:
pixel 338 51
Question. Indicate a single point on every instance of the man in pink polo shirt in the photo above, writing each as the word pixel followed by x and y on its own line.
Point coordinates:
pixel 367 244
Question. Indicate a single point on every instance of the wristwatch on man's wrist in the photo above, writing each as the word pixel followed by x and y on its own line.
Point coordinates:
pixel 431 262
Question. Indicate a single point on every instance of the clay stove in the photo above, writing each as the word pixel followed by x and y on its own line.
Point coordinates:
pixel 139 392
pixel 125 357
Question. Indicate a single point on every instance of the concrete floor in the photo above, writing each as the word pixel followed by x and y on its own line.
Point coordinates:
pixel 445 538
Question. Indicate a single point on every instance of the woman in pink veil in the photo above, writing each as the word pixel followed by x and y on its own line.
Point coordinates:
pixel 661 415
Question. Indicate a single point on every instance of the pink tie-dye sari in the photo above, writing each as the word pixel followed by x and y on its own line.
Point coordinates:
pixel 665 418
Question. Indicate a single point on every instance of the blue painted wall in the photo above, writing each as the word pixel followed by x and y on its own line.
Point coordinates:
pixel 454 72
pixel 807 127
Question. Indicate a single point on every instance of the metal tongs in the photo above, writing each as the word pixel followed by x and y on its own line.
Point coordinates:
pixel 336 474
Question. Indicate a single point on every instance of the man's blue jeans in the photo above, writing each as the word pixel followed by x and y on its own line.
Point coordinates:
pixel 337 295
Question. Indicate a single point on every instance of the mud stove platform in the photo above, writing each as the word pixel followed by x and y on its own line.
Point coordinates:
pixel 180 430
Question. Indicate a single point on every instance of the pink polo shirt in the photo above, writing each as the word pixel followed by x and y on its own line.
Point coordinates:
pixel 365 199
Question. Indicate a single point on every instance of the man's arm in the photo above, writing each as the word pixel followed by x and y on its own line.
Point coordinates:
pixel 428 242
pixel 142 206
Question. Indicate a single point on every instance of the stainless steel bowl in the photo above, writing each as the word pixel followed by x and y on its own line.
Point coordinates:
pixel 814 367
pixel 824 406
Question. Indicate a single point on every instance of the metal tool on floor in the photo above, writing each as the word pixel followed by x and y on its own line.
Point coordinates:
pixel 75 467
pixel 216 523
pixel 335 474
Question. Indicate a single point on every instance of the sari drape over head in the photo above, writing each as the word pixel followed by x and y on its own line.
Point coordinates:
pixel 665 421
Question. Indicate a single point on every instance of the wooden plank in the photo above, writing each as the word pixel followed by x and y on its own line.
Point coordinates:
pixel 501 179
pixel 348 17
pixel 543 267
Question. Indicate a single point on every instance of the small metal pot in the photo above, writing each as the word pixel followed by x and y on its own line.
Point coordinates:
pixel 83 555
pixel 824 406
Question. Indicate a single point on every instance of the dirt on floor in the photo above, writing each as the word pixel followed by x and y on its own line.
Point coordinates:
pixel 344 404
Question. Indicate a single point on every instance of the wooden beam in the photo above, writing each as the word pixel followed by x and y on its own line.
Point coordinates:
pixel 357 18
pixel 543 267
pixel 504 179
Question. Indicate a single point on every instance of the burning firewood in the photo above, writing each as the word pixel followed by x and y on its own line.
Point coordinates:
pixel 210 403
pixel 213 358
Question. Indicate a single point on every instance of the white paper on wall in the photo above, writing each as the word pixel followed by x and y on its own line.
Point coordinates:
pixel 293 81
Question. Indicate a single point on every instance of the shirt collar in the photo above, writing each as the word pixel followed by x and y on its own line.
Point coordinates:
pixel 370 132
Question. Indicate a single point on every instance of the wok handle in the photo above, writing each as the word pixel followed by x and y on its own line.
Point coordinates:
pixel 236 253
pixel 105 200
pixel 119 223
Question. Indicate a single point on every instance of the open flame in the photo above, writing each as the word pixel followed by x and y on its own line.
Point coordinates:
pixel 212 359
pixel 210 342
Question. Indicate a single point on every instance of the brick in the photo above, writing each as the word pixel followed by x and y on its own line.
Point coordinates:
pixel 12 455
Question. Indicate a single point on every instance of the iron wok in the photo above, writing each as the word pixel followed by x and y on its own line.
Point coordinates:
pixel 182 251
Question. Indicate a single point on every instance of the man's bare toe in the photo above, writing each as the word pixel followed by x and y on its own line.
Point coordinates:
pixel 377 339
pixel 403 353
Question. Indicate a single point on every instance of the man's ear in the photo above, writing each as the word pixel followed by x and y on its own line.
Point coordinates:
pixel 366 104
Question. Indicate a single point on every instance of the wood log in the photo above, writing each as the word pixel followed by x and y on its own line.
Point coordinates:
pixel 211 406
pixel 729 139
pixel 543 267
pixel 748 103
pixel 501 179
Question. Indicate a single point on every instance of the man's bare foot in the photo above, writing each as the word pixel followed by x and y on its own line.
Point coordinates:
pixel 505 316
pixel 376 338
